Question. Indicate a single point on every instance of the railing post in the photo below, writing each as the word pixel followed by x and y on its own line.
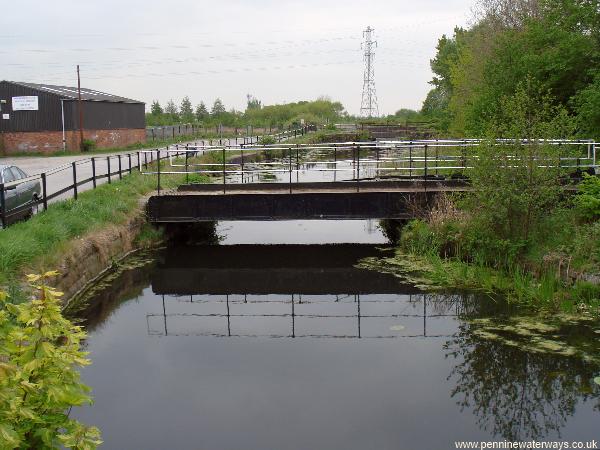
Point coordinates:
pixel 425 171
pixel 108 168
pixel 334 162
pixel 357 168
pixel 187 177
pixel 410 160
pixel 94 172
pixel 44 191
pixel 2 206
pixel 290 167
pixel 297 165
pixel 129 158
pixel 120 168
pixel 158 170
pixel 224 179
pixel 242 153
pixel 74 180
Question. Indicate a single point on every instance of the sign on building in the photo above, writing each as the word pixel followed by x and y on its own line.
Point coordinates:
pixel 25 103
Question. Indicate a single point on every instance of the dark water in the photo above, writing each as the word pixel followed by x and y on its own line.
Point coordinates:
pixel 243 346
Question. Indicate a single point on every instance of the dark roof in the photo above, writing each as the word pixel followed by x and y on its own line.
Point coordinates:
pixel 71 93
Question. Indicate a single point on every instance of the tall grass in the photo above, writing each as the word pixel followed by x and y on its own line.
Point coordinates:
pixel 41 239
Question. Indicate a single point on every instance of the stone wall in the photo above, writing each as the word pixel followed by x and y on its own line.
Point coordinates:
pixel 51 141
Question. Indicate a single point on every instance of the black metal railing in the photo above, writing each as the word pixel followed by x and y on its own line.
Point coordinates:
pixel 68 180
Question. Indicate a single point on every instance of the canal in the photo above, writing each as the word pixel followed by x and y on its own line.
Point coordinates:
pixel 264 335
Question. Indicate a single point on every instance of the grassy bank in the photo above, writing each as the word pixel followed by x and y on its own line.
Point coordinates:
pixel 39 242
pixel 557 267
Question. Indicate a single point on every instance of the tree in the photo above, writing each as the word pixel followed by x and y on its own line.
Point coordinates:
pixel 201 112
pixel 156 109
pixel 186 111
pixel 517 184
pixel 39 350
pixel 171 108
pixel 218 108
pixel 253 102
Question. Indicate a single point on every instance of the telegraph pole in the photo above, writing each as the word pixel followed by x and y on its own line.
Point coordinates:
pixel 80 108
pixel 368 105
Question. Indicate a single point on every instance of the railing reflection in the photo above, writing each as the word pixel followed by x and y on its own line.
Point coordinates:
pixel 301 316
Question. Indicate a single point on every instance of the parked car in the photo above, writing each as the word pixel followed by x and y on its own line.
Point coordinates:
pixel 19 197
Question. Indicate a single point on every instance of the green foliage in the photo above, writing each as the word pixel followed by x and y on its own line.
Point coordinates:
pixel 186 111
pixel 39 383
pixel 217 108
pixel 201 112
pixel 320 111
pixel 554 42
pixel 156 109
pixel 515 185
pixel 88 145
pixel 171 108
pixel 253 103
pixel 267 140
pixel 40 239
pixel 587 106
pixel 587 200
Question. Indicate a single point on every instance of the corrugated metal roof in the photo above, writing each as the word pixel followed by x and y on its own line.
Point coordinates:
pixel 71 93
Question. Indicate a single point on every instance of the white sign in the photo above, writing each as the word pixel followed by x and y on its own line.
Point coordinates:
pixel 25 103
pixel 6 116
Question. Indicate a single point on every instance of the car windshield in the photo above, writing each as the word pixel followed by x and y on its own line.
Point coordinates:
pixel 19 172
pixel 7 176
pixel 16 173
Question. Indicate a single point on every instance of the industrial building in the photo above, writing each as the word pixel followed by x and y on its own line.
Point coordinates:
pixel 45 118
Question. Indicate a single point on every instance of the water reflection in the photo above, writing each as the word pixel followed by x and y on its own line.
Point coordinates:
pixel 514 394
pixel 292 346
pixel 300 316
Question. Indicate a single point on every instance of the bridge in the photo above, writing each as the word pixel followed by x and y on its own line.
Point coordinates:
pixel 351 180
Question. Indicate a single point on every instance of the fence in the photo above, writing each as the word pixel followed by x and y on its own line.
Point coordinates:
pixel 173 131
pixel 359 161
pixel 19 197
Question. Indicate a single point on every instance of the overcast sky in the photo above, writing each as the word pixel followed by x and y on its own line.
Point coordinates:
pixel 278 51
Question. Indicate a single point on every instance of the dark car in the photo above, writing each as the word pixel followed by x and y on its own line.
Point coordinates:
pixel 19 196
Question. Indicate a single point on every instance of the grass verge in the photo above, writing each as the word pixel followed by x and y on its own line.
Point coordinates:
pixel 40 241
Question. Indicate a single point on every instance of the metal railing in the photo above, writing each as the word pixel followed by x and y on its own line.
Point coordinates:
pixel 357 161
pixel 68 180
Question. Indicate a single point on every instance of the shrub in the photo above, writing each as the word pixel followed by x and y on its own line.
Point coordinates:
pixel 587 201
pixel 267 140
pixel 39 350
pixel 88 145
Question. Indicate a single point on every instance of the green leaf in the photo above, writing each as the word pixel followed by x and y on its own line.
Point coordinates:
pixel 597 381
pixel 9 435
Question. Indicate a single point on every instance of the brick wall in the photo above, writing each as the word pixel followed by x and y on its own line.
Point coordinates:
pixel 51 141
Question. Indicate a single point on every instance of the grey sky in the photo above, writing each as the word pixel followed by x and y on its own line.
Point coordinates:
pixel 279 51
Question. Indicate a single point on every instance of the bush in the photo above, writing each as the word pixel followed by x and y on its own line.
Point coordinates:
pixel 587 201
pixel 267 140
pixel 88 145
pixel 39 350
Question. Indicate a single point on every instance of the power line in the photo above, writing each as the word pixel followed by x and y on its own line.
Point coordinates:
pixel 368 106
